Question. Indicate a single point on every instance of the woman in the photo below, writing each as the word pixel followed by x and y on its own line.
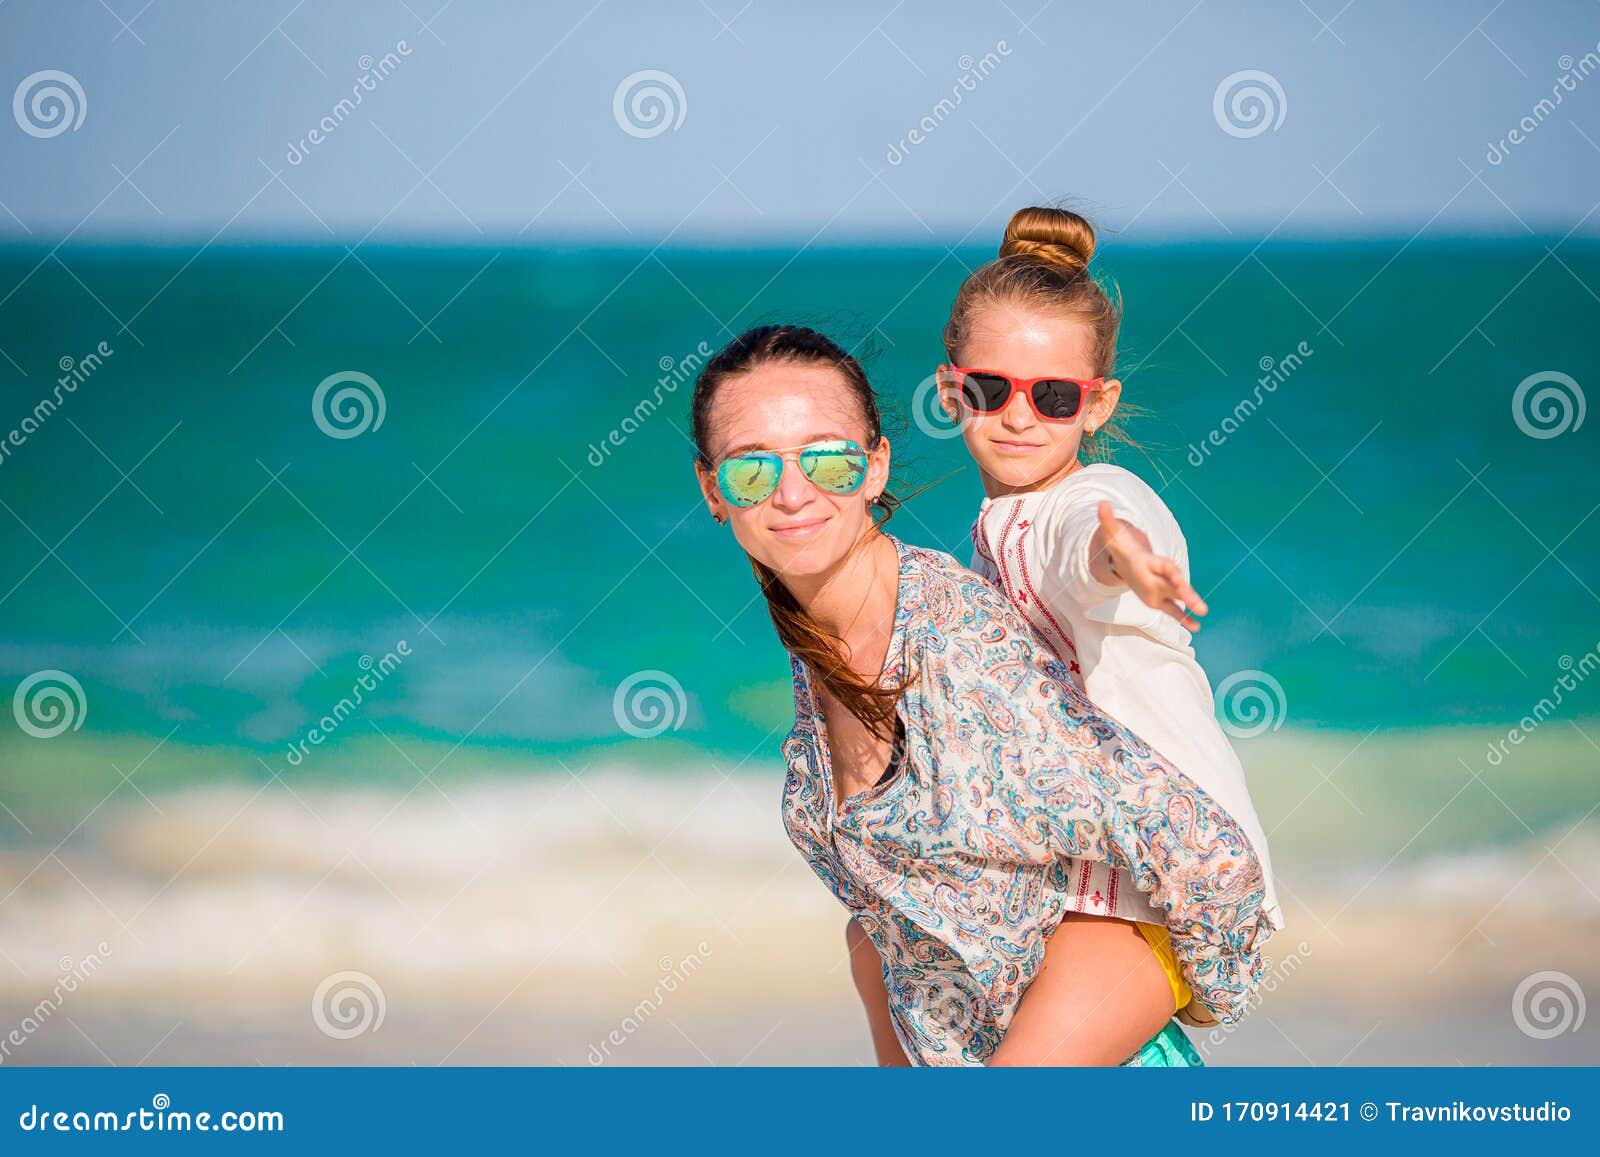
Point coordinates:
pixel 943 765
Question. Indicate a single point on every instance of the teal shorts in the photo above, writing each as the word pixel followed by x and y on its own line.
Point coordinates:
pixel 1168 1049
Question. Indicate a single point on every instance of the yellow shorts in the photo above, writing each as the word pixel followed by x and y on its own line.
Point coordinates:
pixel 1161 944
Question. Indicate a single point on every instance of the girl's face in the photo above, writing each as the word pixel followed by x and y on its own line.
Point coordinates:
pixel 1015 449
pixel 801 530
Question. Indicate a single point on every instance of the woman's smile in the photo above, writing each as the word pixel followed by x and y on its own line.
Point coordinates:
pixel 794 531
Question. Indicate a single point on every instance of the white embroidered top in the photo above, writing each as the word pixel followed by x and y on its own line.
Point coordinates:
pixel 1136 663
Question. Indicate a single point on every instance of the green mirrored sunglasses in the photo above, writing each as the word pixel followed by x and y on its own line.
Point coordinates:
pixel 838 466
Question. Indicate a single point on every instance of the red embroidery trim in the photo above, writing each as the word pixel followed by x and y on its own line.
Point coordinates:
pixel 1071 652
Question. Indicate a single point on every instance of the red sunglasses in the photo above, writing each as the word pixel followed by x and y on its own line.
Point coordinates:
pixel 1052 399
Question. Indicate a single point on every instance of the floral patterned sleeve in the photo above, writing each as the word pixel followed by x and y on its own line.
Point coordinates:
pixel 1025 769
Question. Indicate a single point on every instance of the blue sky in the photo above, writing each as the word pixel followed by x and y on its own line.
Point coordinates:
pixel 498 120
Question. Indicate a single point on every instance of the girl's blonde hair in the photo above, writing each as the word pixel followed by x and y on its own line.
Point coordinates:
pixel 1044 266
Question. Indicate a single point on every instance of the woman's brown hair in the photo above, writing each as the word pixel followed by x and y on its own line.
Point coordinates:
pixel 1044 266
pixel 823 653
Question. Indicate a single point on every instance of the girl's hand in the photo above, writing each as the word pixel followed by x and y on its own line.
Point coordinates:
pixel 1120 553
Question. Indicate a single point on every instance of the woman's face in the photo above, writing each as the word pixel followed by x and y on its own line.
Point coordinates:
pixel 1015 449
pixel 801 530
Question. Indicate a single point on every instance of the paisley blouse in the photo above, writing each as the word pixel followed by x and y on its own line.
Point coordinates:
pixel 958 865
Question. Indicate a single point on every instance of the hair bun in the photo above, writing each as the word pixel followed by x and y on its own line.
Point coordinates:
pixel 1058 237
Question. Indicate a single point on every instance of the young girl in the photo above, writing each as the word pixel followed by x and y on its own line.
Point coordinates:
pixel 1088 553
pixel 944 765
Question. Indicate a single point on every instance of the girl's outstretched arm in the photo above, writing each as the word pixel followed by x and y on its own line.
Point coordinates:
pixel 1120 555
pixel 1099 995
pixel 866 968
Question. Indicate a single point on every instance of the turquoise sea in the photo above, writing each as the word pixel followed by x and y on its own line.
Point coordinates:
pixel 180 535
pixel 477 711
